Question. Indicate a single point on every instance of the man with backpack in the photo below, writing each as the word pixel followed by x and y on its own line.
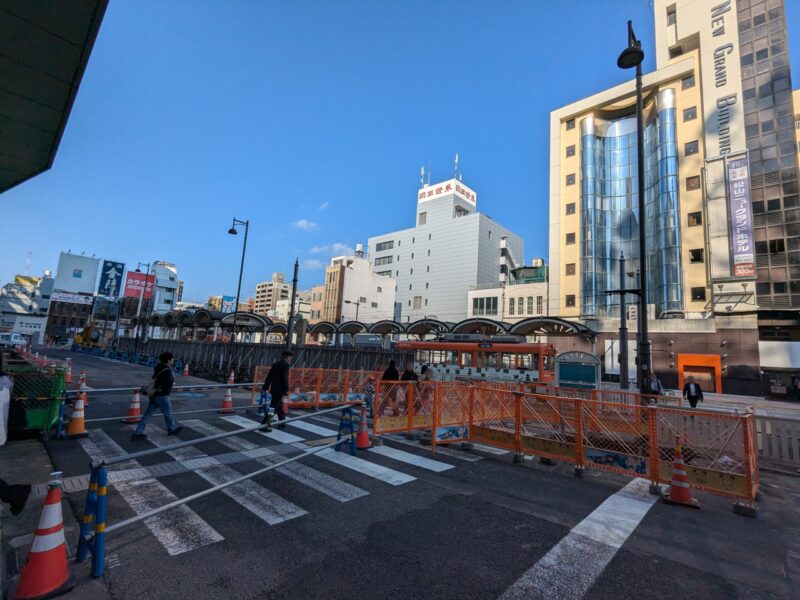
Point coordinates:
pixel 158 393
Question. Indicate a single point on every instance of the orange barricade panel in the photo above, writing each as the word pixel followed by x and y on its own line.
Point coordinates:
pixel 493 417
pixel 451 412
pixel 393 401
pixel 548 427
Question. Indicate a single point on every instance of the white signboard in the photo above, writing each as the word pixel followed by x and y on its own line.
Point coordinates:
pixel 453 186
pixel 76 274
pixel 71 298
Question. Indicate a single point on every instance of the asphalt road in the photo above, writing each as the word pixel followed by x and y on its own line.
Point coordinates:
pixel 468 525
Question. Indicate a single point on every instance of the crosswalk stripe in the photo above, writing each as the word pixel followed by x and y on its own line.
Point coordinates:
pixel 572 566
pixel 311 428
pixel 317 480
pixel 179 530
pixel 490 449
pixel 365 467
pixel 263 503
pixel 411 459
pixel 276 434
pixel 449 452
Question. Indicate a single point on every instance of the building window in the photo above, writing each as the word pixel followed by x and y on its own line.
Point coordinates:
pixel 571 150
pixel 698 294
pixel 383 260
pixel 423 218
pixel 411 271
pixel 530 305
pixel 417 302
pixel 484 306
pixel 429 252
pixel 429 236
pixel 774 204
pixel 426 285
pixel 412 256
pixel 672 17
pixel 696 255
pixel 384 273
pixel 539 302
pixel 776 246
pixel 409 285
pixel 693 183
pixel 687 82
pixel 570 208
pixel 778 287
pixel 571 179
pixel 362 300
pixel 570 124
pixel 690 148
pixel 427 269
pixel 761 247
pixel 384 246
pixel 374 304
pixel 490 234
pixel 570 269
pixel 511 307
pixel 695 218
pixel 380 289
pixel 570 239
pixel 689 114
pixel 520 305
pixel 570 300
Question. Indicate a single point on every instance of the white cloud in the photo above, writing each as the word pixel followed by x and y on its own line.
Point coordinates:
pixel 339 249
pixel 320 249
pixel 305 225
pixel 312 264
pixel 323 206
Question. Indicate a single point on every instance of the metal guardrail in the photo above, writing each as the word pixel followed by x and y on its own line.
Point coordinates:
pixel 778 440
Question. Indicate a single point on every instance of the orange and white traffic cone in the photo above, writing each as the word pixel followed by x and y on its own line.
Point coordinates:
pixel 76 420
pixel 186 369
pixel 83 389
pixel 82 378
pixel 46 573
pixel 134 410
pixel 362 437
pixel 68 376
pixel 227 401
pixel 679 490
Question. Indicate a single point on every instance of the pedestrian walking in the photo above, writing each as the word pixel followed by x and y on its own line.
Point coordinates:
pixel 692 392
pixel 277 383
pixel 369 395
pixel 391 374
pixel 158 393
pixel 409 374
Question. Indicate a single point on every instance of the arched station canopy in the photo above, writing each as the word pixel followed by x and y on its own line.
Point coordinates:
pixel 169 319
pixel 206 318
pixel 245 320
pixel 323 327
pixel 480 325
pixel 281 328
pixel 386 327
pixel 550 326
pixel 427 327
pixel 156 319
pixel 351 327
pixel 184 318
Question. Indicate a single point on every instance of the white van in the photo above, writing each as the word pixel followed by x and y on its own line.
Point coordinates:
pixel 9 340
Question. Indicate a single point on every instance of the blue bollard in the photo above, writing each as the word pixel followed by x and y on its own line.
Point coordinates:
pixel 99 543
pixel 60 423
pixel 88 518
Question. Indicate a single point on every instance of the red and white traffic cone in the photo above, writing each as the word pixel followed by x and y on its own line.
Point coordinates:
pixel 76 426
pixel 134 410
pixel 362 437
pixel 68 376
pixel 46 573
pixel 679 490
pixel 83 389
pixel 227 401
pixel 186 369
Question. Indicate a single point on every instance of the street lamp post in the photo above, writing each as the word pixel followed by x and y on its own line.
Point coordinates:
pixel 632 56
pixel 357 303
pixel 232 231
pixel 292 302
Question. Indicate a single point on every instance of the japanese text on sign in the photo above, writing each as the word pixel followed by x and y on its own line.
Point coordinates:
pixel 741 219
pixel 434 191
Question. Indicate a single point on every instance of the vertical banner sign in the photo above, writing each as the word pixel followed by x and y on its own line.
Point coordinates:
pixel 111 278
pixel 741 219
pixel 228 303
pixel 135 282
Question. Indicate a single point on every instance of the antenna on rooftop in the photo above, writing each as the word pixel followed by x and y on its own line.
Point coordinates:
pixel 455 167
pixel 429 172
pixel 422 176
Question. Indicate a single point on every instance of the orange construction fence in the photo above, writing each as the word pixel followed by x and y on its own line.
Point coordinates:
pixel 318 388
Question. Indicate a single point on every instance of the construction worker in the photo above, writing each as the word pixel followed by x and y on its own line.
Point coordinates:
pixel 277 382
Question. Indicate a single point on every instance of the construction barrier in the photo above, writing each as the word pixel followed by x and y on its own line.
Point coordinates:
pixel 631 438
pixel 320 388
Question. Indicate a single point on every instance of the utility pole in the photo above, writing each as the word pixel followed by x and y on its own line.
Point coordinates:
pixel 291 306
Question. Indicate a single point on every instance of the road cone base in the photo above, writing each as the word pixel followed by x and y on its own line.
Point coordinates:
pixel 225 411
pixel 65 588
pixel 667 499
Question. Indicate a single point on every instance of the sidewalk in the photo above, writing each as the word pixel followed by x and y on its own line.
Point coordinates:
pixel 26 461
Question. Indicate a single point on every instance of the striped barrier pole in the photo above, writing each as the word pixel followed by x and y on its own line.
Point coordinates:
pixel 88 518
pixel 99 542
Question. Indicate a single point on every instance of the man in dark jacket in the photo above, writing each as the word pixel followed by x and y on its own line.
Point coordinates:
pixel 163 380
pixel 409 374
pixel 277 382
pixel 692 392
pixel 390 374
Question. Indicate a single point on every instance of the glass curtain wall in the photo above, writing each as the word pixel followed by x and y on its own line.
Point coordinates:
pixel 610 214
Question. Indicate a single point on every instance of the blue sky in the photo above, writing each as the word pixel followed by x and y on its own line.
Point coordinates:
pixel 312 120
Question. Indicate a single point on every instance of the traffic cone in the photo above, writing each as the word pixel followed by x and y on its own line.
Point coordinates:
pixel 186 369
pixel 68 376
pixel 76 420
pixel 679 490
pixel 83 393
pixel 46 573
pixel 82 378
pixel 227 401
pixel 134 410
pixel 362 437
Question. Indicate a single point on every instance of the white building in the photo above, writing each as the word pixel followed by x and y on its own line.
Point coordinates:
pixel 451 248
pixel 269 292
pixel 165 294
pixel 522 296
pixel 24 304
pixel 355 292
pixel 302 307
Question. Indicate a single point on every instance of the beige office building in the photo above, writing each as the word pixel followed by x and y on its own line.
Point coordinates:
pixel 269 292
pixel 719 179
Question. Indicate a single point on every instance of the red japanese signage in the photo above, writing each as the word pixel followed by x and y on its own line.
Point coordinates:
pixel 448 187
pixel 135 282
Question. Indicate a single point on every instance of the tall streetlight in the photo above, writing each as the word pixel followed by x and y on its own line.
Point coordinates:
pixel 232 231
pixel 357 303
pixel 141 301
pixel 632 56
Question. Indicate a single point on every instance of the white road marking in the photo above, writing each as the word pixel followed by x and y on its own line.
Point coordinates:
pixel 411 459
pixel 311 428
pixel 276 434
pixel 263 503
pixel 384 474
pixel 179 530
pixel 572 566
pixel 449 452
pixel 317 480
pixel 490 449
